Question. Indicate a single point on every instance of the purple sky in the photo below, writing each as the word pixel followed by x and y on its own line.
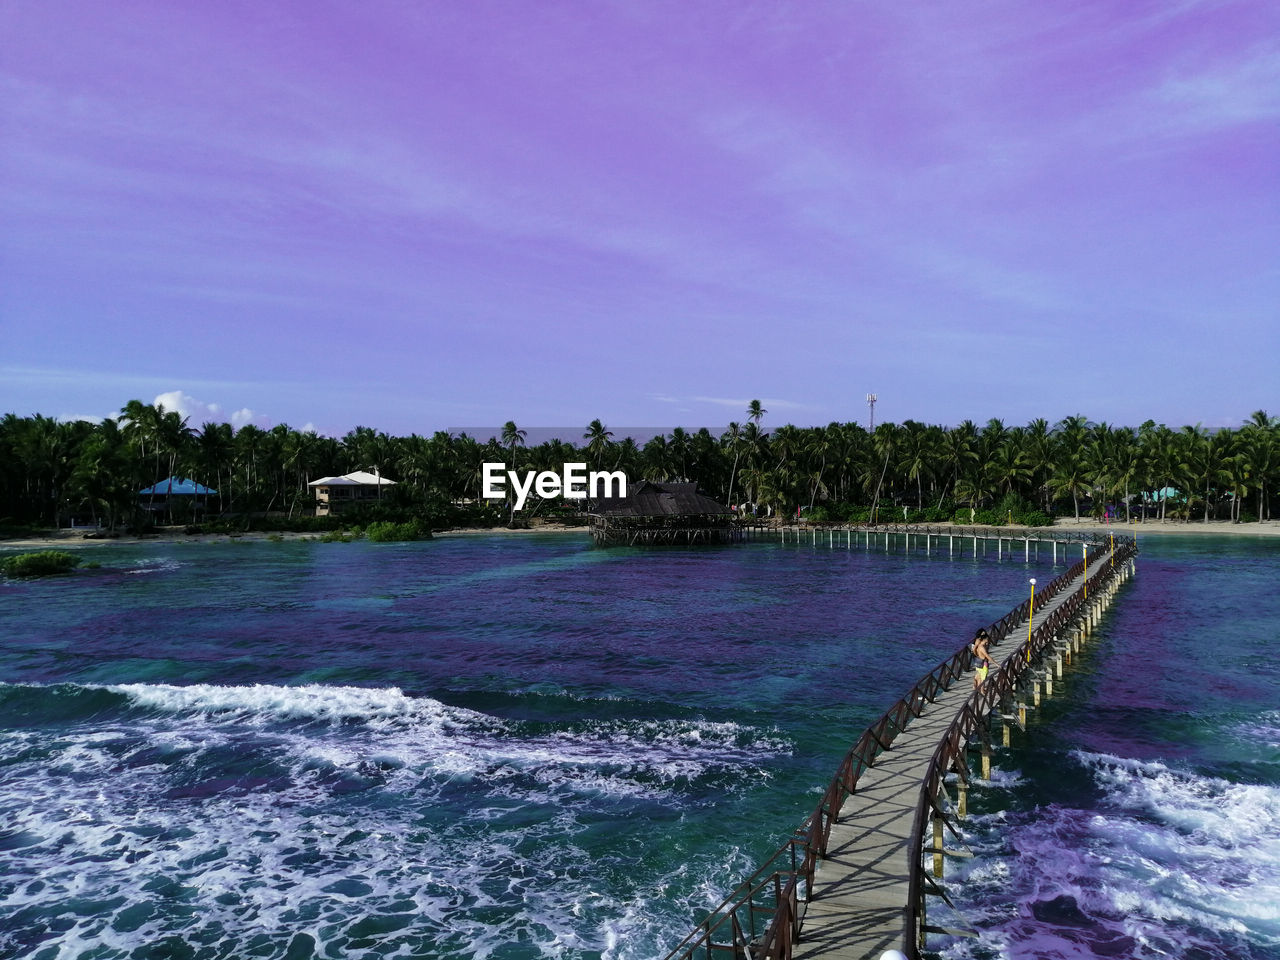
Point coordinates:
pixel 418 215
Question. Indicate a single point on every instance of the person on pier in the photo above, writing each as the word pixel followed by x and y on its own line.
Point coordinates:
pixel 981 657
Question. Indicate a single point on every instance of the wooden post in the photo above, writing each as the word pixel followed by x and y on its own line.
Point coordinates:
pixel 937 846
pixel 920 932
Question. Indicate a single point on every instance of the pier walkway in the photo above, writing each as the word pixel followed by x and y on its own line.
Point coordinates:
pixel 852 882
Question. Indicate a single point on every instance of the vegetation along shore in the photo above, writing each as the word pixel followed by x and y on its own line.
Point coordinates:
pixel 56 475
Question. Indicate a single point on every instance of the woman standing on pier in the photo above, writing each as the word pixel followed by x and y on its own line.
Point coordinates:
pixel 981 657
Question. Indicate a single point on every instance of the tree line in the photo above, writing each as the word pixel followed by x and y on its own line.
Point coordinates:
pixel 52 471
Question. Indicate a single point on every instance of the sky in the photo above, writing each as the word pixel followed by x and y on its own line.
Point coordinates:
pixel 424 215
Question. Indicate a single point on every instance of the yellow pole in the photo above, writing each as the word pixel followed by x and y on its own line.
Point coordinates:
pixel 1086 571
pixel 1113 551
pixel 1030 615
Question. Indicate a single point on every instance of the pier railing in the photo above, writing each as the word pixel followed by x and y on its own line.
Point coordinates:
pixel 1061 534
pixel 999 688
pixel 779 891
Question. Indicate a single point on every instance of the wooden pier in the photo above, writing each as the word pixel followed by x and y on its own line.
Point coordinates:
pixel 951 540
pixel 852 882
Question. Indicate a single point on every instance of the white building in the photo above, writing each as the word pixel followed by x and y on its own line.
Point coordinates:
pixel 335 495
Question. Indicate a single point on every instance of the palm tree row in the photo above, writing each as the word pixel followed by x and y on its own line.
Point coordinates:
pixel 51 471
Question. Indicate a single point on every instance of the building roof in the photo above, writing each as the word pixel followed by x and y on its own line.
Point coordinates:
pixel 357 479
pixel 649 499
pixel 177 486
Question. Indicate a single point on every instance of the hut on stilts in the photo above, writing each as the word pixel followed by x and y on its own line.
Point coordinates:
pixel 660 513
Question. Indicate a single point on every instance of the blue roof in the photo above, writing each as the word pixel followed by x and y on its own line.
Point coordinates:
pixel 177 485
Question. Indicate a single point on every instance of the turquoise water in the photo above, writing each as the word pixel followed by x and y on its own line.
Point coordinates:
pixel 499 746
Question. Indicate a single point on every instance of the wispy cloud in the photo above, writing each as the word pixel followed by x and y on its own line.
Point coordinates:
pixel 769 403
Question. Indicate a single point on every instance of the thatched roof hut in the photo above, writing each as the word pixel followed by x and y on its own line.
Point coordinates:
pixel 663 513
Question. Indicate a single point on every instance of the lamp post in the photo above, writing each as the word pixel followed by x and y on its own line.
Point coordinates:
pixel 1031 612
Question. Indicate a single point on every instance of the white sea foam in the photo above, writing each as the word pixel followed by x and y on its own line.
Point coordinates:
pixel 154 565
pixel 1264 731
pixel 1170 864
pixel 267 701
pixel 422 734
pixel 226 811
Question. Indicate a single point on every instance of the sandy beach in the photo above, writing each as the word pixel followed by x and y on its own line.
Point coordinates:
pixel 76 537
pixel 1267 528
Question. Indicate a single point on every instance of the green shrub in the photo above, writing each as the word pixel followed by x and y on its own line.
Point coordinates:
pixel 43 564
pixel 385 531
pixel 1033 518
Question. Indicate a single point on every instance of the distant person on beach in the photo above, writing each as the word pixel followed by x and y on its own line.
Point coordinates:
pixel 981 657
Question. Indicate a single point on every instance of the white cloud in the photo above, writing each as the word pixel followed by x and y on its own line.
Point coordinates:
pixel 197 412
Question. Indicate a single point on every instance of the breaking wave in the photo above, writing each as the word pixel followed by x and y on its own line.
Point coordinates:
pixel 278 821
pixel 1169 864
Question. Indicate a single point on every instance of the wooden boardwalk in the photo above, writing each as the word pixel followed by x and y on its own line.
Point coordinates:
pixel 851 883
pixel 861 892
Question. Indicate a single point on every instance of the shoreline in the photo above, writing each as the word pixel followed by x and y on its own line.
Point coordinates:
pixel 1265 528
pixel 76 536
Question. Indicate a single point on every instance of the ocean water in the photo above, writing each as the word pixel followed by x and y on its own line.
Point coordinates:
pixel 522 746
pixel 1139 817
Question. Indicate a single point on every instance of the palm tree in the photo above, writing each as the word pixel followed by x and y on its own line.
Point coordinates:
pixel 214 446
pixel 916 453
pixel 1121 464
pixel 1008 467
pixel 1071 474
pixel 958 450
pixel 1260 446
pixel 885 444
pixel 678 450
pixel 598 438
pixel 102 476
pixel 732 439
pixel 817 447
pixel 512 437
pixel 655 459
